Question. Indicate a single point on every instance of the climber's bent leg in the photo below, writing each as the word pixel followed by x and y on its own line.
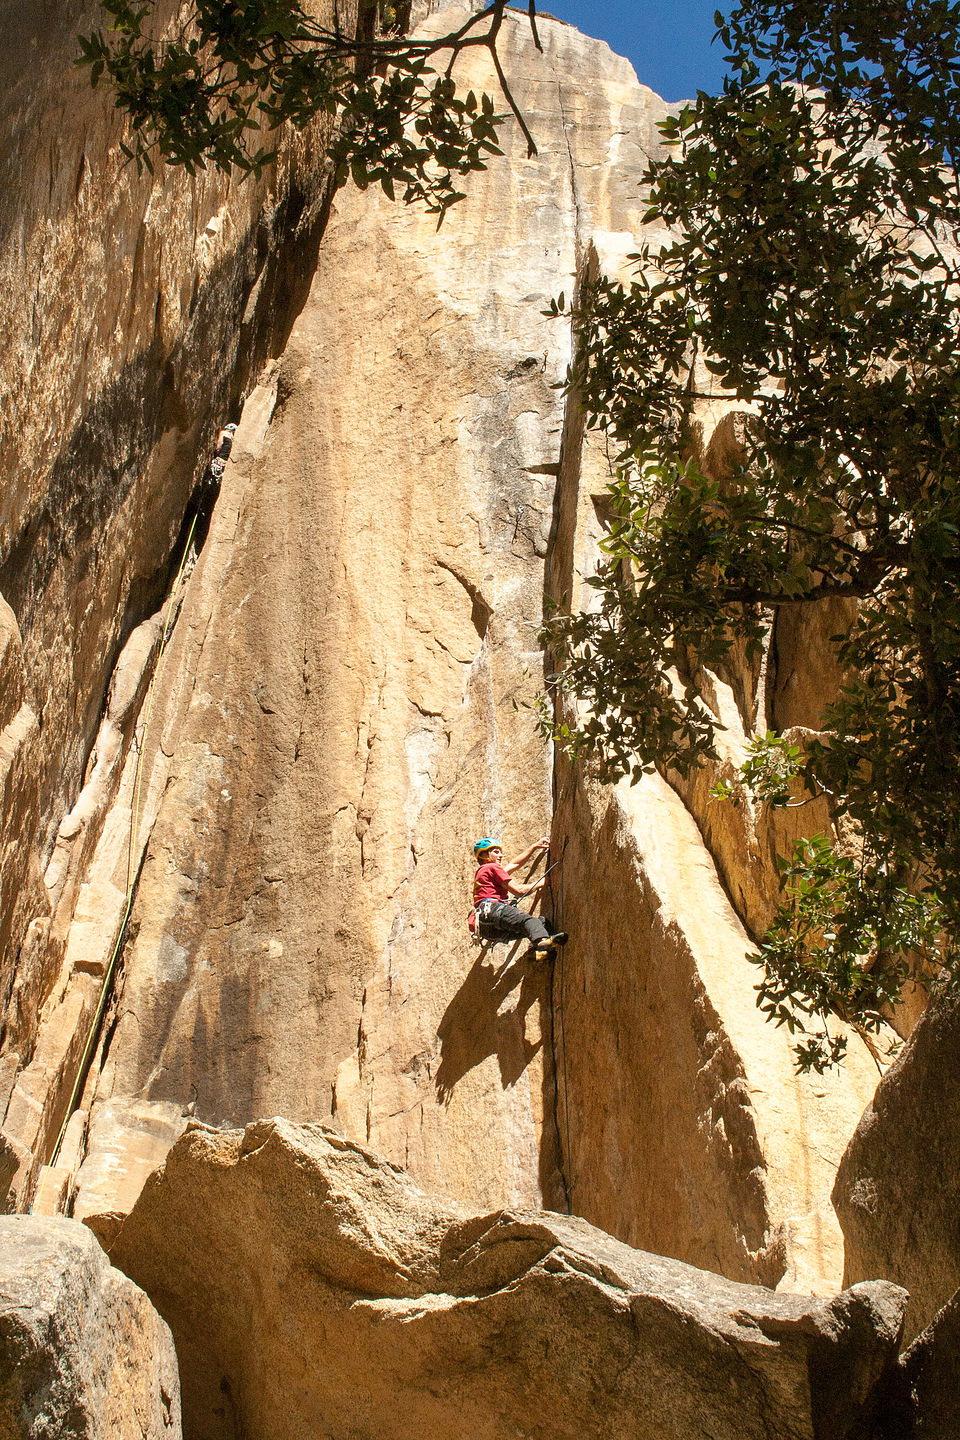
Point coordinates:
pixel 535 928
pixel 517 922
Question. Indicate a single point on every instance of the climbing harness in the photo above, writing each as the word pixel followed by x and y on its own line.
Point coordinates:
pixel 138 743
pixel 483 921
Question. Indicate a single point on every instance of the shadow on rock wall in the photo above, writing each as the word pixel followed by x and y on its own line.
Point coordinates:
pixel 476 1024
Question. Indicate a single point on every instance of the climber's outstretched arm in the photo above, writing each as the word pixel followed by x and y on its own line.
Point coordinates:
pixel 535 885
pixel 543 844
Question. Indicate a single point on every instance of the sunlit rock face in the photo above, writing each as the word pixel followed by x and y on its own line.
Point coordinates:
pixel 361 640
pixel 343 705
pixel 134 309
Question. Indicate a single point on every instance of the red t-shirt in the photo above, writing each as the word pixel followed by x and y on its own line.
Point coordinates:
pixel 491 882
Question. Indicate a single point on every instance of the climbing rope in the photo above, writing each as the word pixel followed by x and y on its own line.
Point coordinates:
pixel 557 1007
pixel 138 743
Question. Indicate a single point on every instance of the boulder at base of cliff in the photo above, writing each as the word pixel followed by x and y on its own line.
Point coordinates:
pixel 897 1191
pixel 83 1353
pixel 314 1291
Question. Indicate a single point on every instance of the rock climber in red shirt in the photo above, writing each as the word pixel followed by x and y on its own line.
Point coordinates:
pixel 493 885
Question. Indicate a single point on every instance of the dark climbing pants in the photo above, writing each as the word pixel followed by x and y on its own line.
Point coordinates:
pixel 515 921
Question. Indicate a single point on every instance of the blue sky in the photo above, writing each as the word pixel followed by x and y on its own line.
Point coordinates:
pixel 668 41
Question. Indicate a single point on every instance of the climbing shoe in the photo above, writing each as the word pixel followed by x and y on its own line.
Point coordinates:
pixel 560 938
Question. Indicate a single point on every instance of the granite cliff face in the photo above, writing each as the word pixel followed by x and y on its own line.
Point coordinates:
pixel 895 1222
pixel 135 310
pixel 343 706
pixel 341 697
pixel 83 1353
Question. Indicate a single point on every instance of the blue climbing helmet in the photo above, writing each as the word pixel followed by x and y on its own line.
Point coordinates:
pixel 485 844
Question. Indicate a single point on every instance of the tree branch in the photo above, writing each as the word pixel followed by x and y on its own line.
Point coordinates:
pixel 507 95
pixel 533 25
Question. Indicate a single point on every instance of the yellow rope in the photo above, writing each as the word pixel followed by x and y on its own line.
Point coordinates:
pixel 134 829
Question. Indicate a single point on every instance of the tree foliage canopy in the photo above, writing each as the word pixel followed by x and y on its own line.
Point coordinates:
pixel 814 206
pixel 204 88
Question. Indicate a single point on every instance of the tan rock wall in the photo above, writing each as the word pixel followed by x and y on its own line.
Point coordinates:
pixel 134 309
pixel 83 1353
pixel 351 725
pixel 314 1291
pixel 788 684
pixel 898 1187
pixel 24 924
pixel 683 1126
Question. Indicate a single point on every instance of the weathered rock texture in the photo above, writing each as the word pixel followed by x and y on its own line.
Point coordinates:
pixel 785 687
pixel 339 702
pixel 660 1049
pixel 135 309
pixel 661 1052
pixel 83 1353
pixel 341 710
pixel 898 1187
pixel 315 1291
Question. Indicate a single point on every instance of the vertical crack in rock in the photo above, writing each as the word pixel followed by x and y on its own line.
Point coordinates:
pixel 574 182
pixel 348 706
